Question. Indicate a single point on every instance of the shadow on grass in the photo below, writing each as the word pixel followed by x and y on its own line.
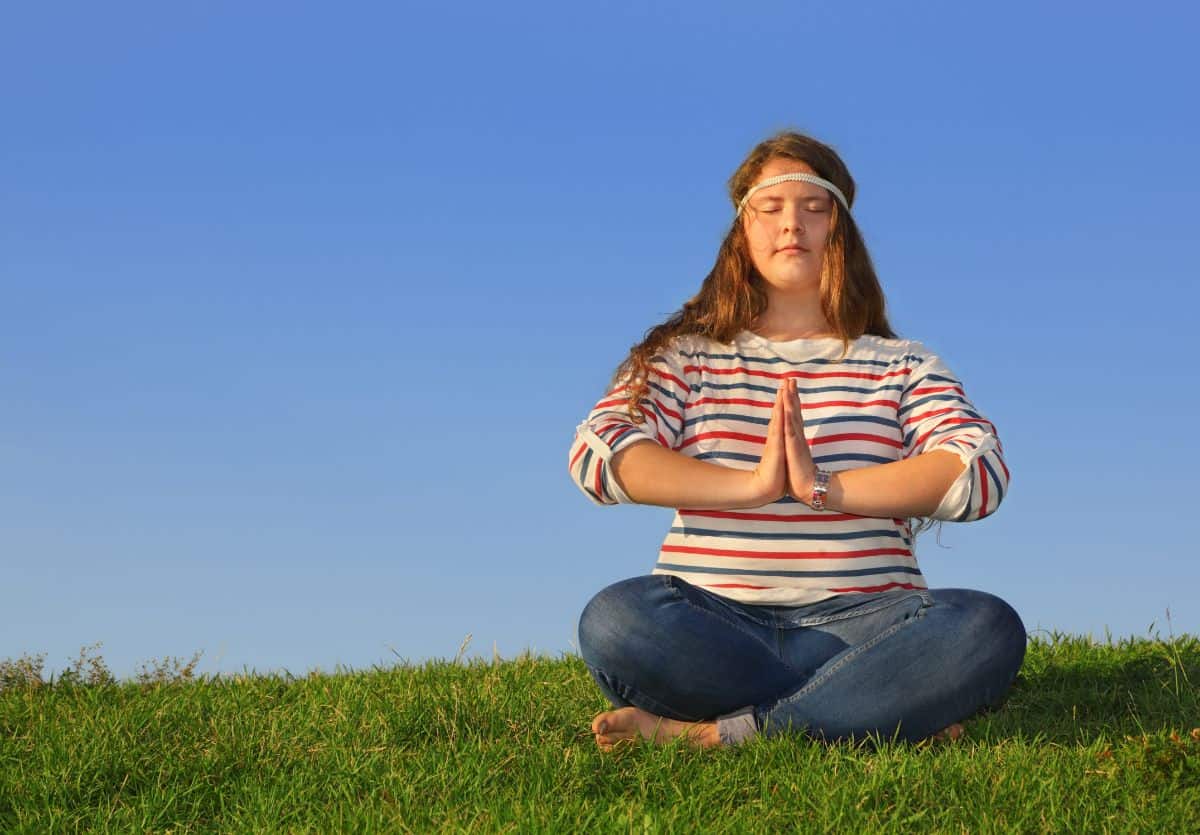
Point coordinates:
pixel 1073 690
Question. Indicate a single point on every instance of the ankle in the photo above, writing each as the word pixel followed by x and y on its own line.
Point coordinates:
pixel 708 735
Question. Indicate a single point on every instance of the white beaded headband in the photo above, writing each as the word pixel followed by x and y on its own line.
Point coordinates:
pixel 801 178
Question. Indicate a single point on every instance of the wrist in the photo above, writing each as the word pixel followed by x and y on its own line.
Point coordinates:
pixel 818 490
pixel 754 492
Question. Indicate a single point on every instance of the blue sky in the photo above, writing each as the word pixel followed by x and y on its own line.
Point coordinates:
pixel 300 304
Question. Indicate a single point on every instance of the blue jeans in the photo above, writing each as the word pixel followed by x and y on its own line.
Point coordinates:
pixel 903 663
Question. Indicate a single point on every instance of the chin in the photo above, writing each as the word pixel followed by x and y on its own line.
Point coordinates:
pixel 792 282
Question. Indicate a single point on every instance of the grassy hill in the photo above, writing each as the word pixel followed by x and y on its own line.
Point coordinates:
pixel 1095 737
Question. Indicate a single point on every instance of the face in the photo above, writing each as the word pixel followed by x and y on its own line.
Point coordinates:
pixel 786 226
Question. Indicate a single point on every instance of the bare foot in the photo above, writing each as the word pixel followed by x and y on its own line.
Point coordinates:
pixel 948 734
pixel 629 723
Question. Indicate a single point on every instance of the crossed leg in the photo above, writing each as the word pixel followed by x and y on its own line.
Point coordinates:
pixel 670 658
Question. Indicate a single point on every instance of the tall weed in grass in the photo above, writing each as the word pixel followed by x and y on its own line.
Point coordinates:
pixel 1095 737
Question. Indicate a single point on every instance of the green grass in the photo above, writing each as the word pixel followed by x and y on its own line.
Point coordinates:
pixel 1095 737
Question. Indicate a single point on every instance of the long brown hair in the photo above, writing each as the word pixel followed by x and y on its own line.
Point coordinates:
pixel 732 296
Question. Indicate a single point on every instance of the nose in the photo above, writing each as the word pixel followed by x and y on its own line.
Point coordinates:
pixel 793 220
pixel 794 224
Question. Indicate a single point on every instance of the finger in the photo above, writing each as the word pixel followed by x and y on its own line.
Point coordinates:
pixel 790 413
pixel 798 451
pixel 795 434
pixel 779 408
pixel 795 398
pixel 795 412
pixel 775 429
pixel 781 430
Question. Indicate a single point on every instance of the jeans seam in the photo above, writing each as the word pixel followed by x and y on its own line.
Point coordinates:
pixel 766 643
pixel 820 621
pixel 681 596
pixel 767 620
pixel 847 658
pixel 654 705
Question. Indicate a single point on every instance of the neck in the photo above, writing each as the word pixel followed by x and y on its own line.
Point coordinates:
pixel 792 318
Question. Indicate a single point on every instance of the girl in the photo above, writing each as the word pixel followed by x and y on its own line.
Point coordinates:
pixel 798 437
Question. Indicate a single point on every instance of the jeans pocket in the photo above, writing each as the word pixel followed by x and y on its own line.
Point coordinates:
pixel 713 602
pixel 855 606
pixel 865 622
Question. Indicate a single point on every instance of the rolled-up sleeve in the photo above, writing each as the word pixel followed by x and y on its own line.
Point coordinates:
pixel 936 414
pixel 608 428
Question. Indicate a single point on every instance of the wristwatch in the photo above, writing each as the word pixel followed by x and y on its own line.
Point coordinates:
pixel 820 489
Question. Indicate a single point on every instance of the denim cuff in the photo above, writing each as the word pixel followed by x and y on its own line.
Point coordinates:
pixel 737 727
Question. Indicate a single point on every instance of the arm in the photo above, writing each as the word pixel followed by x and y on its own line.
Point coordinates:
pixel 953 468
pixel 652 474
pixel 613 461
pixel 935 414
pixel 608 430
pixel 912 487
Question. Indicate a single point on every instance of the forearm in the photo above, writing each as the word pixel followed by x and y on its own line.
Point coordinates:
pixel 649 473
pixel 900 489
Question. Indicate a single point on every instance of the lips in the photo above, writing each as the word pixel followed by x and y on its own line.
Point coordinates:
pixel 793 248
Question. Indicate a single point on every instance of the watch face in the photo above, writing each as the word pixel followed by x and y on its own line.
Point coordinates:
pixel 820 490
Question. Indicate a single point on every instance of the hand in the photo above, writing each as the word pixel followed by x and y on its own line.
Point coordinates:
pixel 768 481
pixel 800 466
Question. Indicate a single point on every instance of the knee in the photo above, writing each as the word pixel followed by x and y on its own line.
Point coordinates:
pixel 993 626
pixel 614 618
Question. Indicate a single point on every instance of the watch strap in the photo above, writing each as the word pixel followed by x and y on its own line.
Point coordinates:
pixel 820 489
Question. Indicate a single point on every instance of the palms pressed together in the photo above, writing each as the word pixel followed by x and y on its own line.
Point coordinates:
pixel 786 466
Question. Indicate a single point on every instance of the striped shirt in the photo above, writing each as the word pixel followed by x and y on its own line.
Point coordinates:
pixel 886 400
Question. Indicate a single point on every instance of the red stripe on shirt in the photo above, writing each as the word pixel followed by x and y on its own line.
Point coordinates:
pixel 789 555
pixel 575 458
pixel 731 436
pixel 663 374
pixel 732 586
pixel 884 587
pixel 826 439
pixel 673 379
pixel 813 516
pixel 823 404
pixel 604 404
pixel 807 375
pixel 983 488
pixel 856 436
pixel 927 415
pixel 733 401
pixel 920 442
pixel 935 390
